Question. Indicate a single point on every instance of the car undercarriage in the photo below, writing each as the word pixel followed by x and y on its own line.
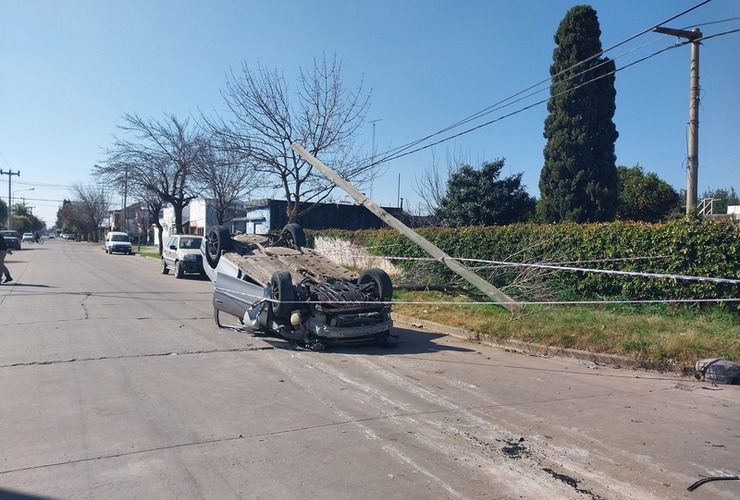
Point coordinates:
pixel 275 285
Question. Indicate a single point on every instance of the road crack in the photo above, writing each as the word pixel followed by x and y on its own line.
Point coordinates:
pixel 135 356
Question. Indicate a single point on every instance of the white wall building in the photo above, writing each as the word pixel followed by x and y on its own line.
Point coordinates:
pixel 198 217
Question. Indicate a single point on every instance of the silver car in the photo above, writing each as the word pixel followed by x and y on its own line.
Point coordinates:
pixel 182 254
pixel 275 285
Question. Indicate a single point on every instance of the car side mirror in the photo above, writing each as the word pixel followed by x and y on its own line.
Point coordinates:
pixel 173 247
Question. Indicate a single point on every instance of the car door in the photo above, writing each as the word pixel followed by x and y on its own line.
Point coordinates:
pixel 168 254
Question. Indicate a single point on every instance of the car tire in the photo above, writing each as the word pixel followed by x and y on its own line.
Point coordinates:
pixel 281 286
pixel 179 273
pixel 217 242
pixel 164 268
pixel 295 235
pixel 382 289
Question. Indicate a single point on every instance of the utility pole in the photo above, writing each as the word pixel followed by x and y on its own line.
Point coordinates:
pixel 472 278
pixel 372 179
pixel 10 175
pixel 694 37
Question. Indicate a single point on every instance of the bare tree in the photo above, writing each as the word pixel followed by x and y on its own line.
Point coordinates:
pixel 160 159
pixel 431 185
pixel 153 205
pixel 91 206
pixel 226 173
pixel 323 116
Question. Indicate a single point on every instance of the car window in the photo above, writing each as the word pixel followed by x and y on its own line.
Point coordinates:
pixel 119 237
pixel 172 241
pixel 189 243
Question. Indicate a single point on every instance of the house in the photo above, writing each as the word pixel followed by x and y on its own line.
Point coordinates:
pixel 136 221
pixel 263 216
pixel 197 218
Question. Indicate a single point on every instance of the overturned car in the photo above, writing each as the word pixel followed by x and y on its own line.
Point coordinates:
pixel 274 284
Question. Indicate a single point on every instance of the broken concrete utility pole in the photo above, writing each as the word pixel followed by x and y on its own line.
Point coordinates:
pixel 429 247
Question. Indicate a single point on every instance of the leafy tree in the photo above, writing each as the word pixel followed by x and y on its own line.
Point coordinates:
pixel 480 198
pixel 63 215
pixel 645 197
pixel 24 221
pixel 579 179
pixel 70 218
pixel 723 197
pixel 321 114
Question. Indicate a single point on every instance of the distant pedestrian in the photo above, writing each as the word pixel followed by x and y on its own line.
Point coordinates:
pixel 3 252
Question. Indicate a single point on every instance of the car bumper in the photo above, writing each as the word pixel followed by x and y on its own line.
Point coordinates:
pixel 119 248
pixel 191 266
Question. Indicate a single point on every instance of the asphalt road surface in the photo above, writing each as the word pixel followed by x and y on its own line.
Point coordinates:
pixel 116 383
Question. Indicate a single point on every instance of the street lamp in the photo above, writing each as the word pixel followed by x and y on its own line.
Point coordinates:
pixel 10 208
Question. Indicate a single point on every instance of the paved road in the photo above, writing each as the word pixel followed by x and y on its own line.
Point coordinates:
pixel 115 383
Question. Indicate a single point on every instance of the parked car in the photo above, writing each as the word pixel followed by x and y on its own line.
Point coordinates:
pixel 117 242
pixel 68 236
pixel 276 285
pixel 28 237
pixel 12 240
pixel 182 253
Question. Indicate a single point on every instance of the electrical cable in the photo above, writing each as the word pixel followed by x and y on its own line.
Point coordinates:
pixel 537 103
pixel 395 153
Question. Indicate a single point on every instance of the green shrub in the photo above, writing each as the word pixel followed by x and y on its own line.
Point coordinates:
pixel 682 248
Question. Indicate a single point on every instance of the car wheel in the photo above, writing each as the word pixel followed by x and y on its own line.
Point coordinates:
pixel 381 288
pixel 217 242
pixel 179 273
pixel 283 296
pixel 164 268
pixel 293 233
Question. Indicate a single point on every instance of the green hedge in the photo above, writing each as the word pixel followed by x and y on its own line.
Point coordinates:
pixel 683 247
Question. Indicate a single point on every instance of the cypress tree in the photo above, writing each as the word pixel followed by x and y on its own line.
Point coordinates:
pixel 579 180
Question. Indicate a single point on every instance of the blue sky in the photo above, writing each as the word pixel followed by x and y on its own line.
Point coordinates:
pixel 70 69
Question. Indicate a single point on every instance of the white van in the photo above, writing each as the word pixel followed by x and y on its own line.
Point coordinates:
pixel 117 242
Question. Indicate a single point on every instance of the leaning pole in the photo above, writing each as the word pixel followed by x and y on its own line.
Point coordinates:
pixel 429 247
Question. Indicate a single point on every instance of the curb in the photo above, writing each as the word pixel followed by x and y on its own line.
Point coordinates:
pixel 521 347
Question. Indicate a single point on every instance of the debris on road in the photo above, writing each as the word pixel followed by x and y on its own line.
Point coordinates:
pixel 718 370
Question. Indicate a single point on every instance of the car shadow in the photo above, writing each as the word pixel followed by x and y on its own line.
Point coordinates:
pixel 410 342
pixel 18 495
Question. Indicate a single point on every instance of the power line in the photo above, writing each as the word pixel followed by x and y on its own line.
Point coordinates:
pixel 709 23
pixel 543 101
pixel 403 150
pixel 530 106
